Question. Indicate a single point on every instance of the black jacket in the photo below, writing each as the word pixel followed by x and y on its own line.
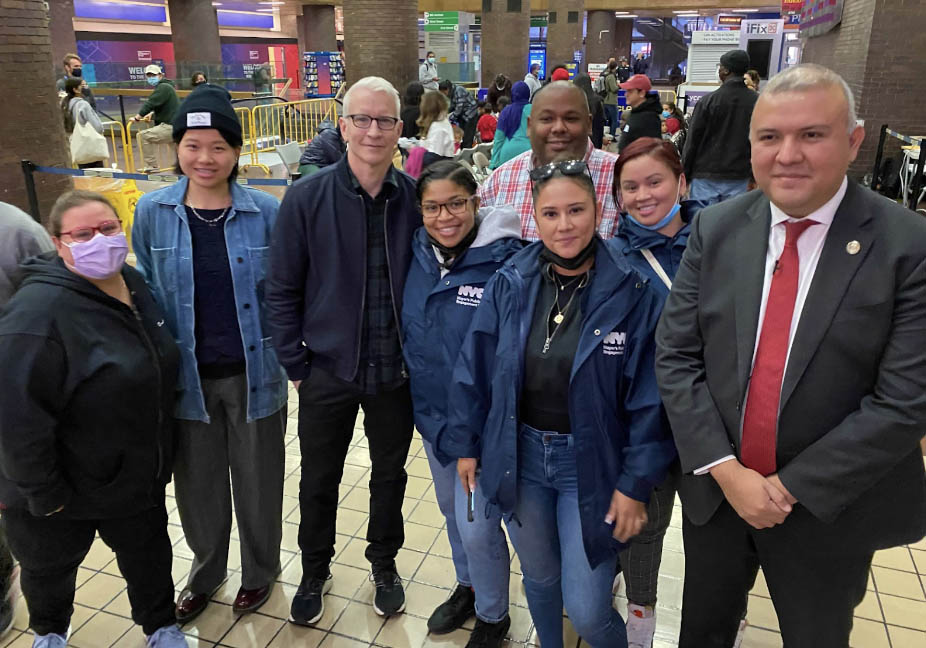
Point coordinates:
pixel 718 133
pixel 410 127
pixel 644 121
pixel 624 72
pixel 88 394
pixel 325 149
pixel 317 281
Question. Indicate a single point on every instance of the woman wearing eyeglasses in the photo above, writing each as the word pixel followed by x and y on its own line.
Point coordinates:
pixel 554 399
pixel 86 431
pixel 202 245
pixel 458 249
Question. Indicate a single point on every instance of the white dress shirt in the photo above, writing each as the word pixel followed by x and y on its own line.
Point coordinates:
pixel 809 247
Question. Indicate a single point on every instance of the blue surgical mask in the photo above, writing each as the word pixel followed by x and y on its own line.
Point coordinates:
pixel 431 59
pixel 152 80
pixel 666 114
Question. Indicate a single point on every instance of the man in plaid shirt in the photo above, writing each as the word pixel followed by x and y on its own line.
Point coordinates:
pixel 558 127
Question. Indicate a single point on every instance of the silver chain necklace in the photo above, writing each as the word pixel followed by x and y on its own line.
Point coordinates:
pixel 561 312
pixel 212 222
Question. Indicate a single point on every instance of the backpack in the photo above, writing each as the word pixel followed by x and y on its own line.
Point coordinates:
pixel 601 85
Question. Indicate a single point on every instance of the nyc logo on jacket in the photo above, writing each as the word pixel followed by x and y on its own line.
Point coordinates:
pixel 469 295
pixel 613 343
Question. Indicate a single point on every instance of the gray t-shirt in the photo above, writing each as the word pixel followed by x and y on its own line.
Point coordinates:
pixel 20 238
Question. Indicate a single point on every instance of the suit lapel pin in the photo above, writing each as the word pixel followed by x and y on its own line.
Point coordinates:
pixel 853 247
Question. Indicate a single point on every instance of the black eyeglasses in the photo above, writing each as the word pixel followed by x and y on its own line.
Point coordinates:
pixel 566 167
pixel 364 121
pixel 454 206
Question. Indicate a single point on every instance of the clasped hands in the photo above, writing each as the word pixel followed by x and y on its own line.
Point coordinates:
pixel 762 501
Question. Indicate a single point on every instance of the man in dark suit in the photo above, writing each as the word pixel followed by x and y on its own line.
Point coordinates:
pixel 792 367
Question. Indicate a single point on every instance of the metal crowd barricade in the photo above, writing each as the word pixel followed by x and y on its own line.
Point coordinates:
pixel 165 152
pixel 120 148
pixel 247 133
pixel 292 121
pixel 913 186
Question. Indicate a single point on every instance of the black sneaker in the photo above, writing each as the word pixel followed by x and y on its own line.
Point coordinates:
pixel 453 613
pixel 309 601
pixel 489 635
pixel 7 611
pixel 390 595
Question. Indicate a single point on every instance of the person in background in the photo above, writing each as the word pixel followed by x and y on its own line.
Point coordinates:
pixel 201 245
pixel 463 109
pixel 558 126
pixel 623 70
pixel 77 111
pixel 73 67
pixel 326 148
pixel 458 249
pixel 197 79
pixel 263 78
pixel 503 102
pixel 436 132
pixel 595 107
pixel 341 248
pixel 752 79
pixel 511 137
pixel 500 88
pixel 791 365
pixel 554 398
pixel 532 79
pixel 717 149
pixel 487 122
pixel 21 237
pixel 162 104
pixel 641 64
pixel 611 90
pixel 676 127
pixel 89 376
pixel 427 72
pixel 411 109
pixel 645 111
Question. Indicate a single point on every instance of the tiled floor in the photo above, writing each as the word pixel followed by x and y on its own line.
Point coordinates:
pixel 893 615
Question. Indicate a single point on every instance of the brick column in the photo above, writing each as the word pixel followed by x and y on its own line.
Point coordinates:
pixel 623 37
pixel 316 28
pixel 564 33
pixel 31 123
pixel 880 51
pixel 381 39
pixel 194 29
pixel 505 39
pixel 61 27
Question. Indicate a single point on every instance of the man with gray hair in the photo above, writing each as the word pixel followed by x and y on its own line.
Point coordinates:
pixel 791 365
pixel 341 246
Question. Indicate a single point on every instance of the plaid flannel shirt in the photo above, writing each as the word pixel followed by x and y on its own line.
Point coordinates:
pixel 510 184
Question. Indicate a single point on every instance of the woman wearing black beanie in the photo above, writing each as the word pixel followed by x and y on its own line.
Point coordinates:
pixel 202 247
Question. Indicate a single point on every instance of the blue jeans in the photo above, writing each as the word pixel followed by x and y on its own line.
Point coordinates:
pixel 547 534
pixel 479 548
pixel 613 121
pixel 711 192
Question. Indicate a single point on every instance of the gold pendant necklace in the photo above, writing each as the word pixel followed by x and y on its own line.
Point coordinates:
pixel 561 313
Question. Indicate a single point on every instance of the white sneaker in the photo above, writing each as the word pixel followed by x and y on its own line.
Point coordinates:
pixel 616 584
pixel 51 640
pixel 641 626
pixel 168 637
pixel 740 634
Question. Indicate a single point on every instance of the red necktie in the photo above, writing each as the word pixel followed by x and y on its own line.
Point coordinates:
pixel 760 422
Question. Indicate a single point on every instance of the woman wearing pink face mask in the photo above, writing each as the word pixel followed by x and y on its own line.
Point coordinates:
pixel 89 373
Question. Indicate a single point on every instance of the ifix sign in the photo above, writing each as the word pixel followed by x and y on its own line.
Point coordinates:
pixel 761 28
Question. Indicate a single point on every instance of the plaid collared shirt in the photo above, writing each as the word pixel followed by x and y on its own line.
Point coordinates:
pixel 510 184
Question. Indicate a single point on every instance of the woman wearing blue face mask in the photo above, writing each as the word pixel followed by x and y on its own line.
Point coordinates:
pixel 653 232
pixel 89 373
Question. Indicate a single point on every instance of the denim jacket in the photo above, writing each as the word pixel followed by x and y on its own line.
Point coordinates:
pixel 163 246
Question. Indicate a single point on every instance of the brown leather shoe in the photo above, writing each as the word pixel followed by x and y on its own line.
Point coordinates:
pixel 249 600
pixel 190 605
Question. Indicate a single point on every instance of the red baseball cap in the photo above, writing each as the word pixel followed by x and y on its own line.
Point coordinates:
pixel 637 82
pixel 560 75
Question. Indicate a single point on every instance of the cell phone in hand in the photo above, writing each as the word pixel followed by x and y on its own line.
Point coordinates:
pixel 470 506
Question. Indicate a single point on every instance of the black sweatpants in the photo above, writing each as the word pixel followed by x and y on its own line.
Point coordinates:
pixel 327 412
pixel 50 549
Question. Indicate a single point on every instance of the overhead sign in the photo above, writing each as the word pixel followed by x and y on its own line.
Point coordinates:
pixel 715 38
pixel 758 27
pixel 820 16
pixel 791 6
pixel 441 28
pixel 441 17
pixel 729 21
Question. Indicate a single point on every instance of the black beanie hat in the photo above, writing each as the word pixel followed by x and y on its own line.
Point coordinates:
pixel 209 106
pixel 737 61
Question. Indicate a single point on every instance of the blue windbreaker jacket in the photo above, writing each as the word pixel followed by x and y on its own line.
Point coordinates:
pixel 615 411
pixel 437 311
pixel 668 250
